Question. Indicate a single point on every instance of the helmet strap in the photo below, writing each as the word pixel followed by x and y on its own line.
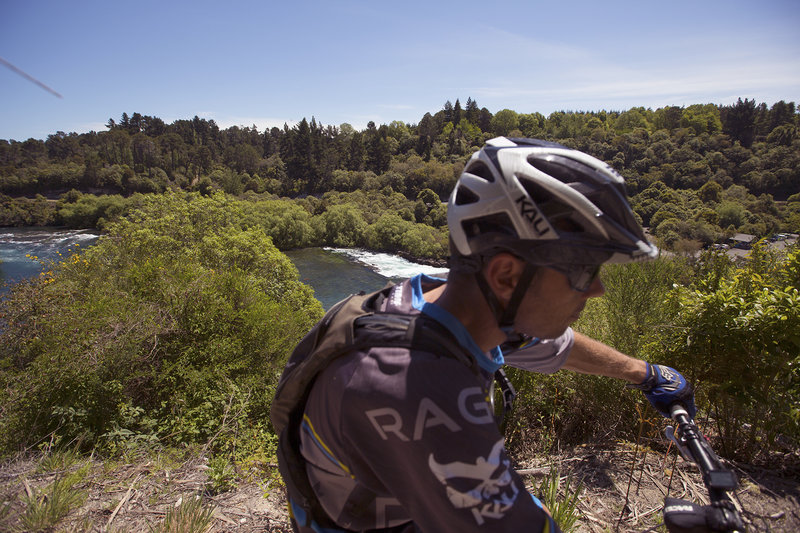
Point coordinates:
pixel 494 304
pixel 506 317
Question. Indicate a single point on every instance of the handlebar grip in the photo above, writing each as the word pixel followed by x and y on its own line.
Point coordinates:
pixel 681 516
pixel 676 410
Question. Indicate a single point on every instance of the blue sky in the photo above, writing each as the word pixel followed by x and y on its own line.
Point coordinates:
pixel 267 63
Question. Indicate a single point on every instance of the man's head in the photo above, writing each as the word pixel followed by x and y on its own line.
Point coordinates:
pixel 546 205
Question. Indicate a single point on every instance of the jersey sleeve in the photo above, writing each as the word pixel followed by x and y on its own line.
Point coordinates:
pixel 545 356
pixel 419 433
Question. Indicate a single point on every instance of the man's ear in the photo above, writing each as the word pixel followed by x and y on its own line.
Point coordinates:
pixel 502 273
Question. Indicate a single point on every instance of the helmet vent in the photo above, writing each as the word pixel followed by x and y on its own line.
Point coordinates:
pixel 465 196
pixel 498 223
pixel 561 215
pixel 480 169
pixel 563 169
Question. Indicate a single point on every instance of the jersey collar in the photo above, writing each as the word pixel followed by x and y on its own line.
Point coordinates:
pixel 490 361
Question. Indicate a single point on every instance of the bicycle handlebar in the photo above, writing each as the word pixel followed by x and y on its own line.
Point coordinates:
pixel 684 516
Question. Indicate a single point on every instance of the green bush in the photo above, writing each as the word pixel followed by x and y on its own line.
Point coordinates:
pixel 175 322
pixel 341 225
pixel 26 212
pixel 387 233
pixel 285 221
pixel 563 509
pixel 89 211
pixel 736 337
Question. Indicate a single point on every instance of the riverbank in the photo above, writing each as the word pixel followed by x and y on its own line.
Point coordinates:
pixel 436 263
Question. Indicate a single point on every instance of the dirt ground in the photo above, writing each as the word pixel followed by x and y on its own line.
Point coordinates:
pixel 133 497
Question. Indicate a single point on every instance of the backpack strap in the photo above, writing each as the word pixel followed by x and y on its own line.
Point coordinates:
pixel 417 332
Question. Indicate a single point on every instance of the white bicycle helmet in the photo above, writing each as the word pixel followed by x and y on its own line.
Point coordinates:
pixel 546 203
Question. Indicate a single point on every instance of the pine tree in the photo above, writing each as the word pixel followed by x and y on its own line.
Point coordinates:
pixel 457 112
pixel 448 112
pixel 738 121
pixel 472 112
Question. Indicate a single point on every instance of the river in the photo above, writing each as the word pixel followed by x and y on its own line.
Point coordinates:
pixel 336 273
pixel 333 273
pixel 22 250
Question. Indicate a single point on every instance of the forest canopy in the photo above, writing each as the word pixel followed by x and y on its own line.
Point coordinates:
pixel 696 174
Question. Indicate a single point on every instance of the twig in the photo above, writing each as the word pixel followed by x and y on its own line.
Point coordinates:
pixel 28 489
pixel 657 483
pixel 695 493
pixel 122 502
pixel 522 472
pixel 588 514
pixel 534 471
pixel 641 472
pixel 239 512
pixel 216 513
pixel 633 466
pixel 651 511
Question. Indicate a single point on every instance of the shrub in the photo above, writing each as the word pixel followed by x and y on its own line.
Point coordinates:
pixel 735 337
pixel 45 508
pixel 564 510
pixel 177 320
pixel 341 225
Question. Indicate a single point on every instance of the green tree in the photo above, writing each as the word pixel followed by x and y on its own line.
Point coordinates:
pixel 504 121
pixel 457 112
pixel 783 135
pixel 427 132
pixel 668 118
pixel 472 113
pixel 341 225
pixel 630 120
pixel 701 118
pixel 378 149
pixel 62 147
pixel 448 112
pixel 780 114
pixel 298 155
pixel 174 150
pixel 738 121
pixel 145 152
pixel 731 214
pixel 710 192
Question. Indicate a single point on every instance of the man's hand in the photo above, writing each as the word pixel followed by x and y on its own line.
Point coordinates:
pixel 664 386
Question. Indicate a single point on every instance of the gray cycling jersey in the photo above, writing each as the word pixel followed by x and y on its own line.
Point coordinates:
pixel 407 440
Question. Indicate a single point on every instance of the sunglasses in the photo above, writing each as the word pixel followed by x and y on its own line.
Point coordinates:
pixel 580 277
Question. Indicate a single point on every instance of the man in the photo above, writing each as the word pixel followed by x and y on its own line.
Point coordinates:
pixel 400 439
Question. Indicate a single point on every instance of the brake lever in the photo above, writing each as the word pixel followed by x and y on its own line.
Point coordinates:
pixel 670 433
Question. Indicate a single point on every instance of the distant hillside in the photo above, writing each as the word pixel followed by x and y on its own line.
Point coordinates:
pixel 708 170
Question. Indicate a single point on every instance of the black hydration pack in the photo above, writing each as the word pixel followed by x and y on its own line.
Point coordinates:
pixel 352 324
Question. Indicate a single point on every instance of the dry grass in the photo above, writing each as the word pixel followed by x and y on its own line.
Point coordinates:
pixel 189 516
pixel 166 492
